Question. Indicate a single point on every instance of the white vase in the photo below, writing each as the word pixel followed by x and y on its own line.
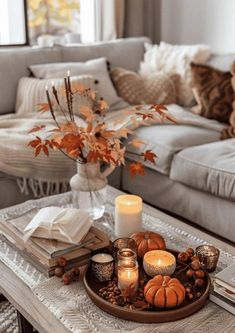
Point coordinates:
pixel 89 188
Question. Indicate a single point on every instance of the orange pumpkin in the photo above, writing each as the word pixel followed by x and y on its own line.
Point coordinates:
pixel 164 292
pixel 147 241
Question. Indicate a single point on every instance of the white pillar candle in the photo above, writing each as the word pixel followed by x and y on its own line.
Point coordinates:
pixel 128 215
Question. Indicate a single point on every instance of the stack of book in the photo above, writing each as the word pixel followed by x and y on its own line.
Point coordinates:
pixel 223 292
pixel 44 253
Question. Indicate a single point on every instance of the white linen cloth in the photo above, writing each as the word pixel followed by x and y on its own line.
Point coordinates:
pixel 68 225
pixel 46 176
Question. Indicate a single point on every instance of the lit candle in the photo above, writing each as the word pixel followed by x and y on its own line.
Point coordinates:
pixel 128 215
pixel 128 275
pixel 159 262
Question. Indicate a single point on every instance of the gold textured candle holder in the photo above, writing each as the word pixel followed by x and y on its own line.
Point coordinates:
pixel 208 256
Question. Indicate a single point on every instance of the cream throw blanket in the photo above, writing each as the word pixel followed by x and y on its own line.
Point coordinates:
pixel 50 175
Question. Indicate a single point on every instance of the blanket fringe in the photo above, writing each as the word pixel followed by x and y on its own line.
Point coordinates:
pixel 41 188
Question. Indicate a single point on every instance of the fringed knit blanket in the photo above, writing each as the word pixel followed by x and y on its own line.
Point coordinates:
pixel 50 175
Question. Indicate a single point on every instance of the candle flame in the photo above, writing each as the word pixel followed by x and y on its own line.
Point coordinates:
pixel 68 73
pixel 46 87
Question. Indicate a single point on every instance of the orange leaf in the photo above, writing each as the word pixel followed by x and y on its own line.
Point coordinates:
pixel 137 143
pixel 71 142
pixel 38 150
pixel 44 107
pixel 149 156
pixel 36 128
pixel 34 143
pixel 136 168
pixel 45 150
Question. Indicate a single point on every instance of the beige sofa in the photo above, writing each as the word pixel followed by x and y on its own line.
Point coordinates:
pixel 195 173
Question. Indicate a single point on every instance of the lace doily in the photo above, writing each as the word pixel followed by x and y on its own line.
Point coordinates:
pixel 71 305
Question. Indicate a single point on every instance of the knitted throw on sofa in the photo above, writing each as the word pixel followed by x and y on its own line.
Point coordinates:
pixel 50 175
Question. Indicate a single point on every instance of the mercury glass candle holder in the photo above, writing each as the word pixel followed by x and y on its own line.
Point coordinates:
pixel 208 256
pixel 157 262
pixel 102 267
pixel 123 243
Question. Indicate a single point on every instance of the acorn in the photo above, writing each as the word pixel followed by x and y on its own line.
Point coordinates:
pixel 195 258
pixel 61 262
pixel 200 274
pixel 190 295
pixel 189 273
pixel 183 256
pixel 66 278
pixel 199 283
pixel 190 251
pixel 195 265
pixel 59 271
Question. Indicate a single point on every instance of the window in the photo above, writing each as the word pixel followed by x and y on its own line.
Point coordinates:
pixel 13 27
pixel 54 17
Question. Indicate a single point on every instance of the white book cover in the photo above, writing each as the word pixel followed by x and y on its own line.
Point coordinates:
pixel 224 292
pixel 226 278
pixel 223 302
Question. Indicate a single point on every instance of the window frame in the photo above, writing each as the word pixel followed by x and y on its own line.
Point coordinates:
pixel 26 43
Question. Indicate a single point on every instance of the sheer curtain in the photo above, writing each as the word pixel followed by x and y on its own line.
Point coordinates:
pixel 110 19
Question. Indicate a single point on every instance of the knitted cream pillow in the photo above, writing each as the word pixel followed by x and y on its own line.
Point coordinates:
pixel 31 92
pixel 170 59
pixel 157 88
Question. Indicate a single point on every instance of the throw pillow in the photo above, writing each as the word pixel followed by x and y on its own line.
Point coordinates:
pixel 229 132
pixel 96 67
pixel 31 92
pixel 175 59
pixel 213 92
pixel 134 89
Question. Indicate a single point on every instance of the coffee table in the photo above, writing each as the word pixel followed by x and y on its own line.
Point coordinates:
pixel 29 296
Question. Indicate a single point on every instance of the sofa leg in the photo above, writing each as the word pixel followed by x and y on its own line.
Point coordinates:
pixel 24 325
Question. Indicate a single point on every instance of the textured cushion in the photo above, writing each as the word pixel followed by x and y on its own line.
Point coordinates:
pixel 134 89
pixel 209 167
pixel 97 68
pixel 213 92
pixel 31 92
pixel 230 132
pixel 175 59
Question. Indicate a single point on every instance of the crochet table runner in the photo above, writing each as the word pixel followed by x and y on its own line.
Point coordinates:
pixel 71 305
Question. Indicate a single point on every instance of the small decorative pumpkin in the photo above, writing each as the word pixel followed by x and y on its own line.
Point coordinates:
pixel 164 292
pixel 147 241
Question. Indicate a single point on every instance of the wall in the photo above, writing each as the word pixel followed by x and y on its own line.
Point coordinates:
pixel 199 21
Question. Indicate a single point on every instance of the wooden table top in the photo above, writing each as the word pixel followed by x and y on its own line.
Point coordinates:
pixel 27 304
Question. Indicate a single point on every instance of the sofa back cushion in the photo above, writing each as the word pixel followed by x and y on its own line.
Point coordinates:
pixel 126 53
pixel 14 65
pixel 14 62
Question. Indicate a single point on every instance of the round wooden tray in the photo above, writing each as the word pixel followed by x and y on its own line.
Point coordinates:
pixel 145 316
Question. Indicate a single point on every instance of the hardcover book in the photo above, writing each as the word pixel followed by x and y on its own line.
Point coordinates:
pixel 46 251
pixel 226 278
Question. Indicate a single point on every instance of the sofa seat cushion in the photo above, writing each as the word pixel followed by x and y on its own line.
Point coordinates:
pixel 167 140
pixel 209 167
